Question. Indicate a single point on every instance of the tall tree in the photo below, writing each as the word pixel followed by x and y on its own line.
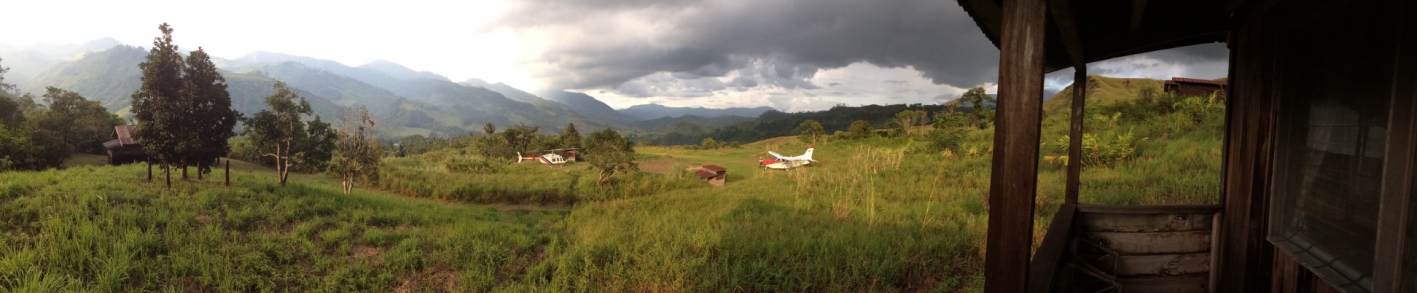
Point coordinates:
pixel 211 120
pixel 610 154
pixel 489 129
pixel 275 132
pixel 810 130
pixel 570 138
pixel 157 105
pixel 359 152
pixel 5 88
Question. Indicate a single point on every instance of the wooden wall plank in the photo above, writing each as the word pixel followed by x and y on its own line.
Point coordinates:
pixel 1163 264
pixel 1249 137
pixel 1014 178
pixel 1395 215
pixel 1152 243
pixel 1145 222
pixel 1180 284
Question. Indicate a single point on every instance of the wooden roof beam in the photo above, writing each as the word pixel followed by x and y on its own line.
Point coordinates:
pixel 1138 11
pixel 1062 12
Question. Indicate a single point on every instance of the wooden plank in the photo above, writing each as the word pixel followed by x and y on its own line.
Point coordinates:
pixel 1152 243
pixel 1249 140
pixel 1014 178
pixel 1053 253
pixel 1177 284
pixel 1148 209
pixel 1161 264
pixel 1096 222
pixel 1395 210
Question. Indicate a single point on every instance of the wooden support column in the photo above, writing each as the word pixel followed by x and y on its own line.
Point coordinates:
pixel 1395 212
pixel 1246 258
pixel 1075 133
pixel 1067 28
pixel 1014 179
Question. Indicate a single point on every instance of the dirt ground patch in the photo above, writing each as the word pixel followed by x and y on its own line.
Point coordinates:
pixel 662 165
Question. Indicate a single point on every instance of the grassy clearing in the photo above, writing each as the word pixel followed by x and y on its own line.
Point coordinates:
pixel 100 229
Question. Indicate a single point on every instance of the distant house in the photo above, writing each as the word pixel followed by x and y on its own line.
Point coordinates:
pixel 123 148
pixel 715 175
pixel 1196 87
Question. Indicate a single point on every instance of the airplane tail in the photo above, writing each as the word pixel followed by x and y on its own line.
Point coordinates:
pixel 519 157
pixel 808 155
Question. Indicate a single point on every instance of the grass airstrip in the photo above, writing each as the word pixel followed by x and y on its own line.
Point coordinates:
pixel 877 214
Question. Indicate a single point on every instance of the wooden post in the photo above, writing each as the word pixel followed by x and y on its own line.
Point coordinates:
pixel 1075 133
pixel 167 172
pixel 228 173
pixel 150 169
pixel 1014 179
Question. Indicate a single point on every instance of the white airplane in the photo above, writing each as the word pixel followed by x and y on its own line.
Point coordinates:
pixel 552 160
pixel 783 163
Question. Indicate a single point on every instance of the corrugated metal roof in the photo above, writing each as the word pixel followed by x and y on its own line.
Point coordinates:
pixel 1200 81
pixel 705 174
pixel 714 168
pixel 125 134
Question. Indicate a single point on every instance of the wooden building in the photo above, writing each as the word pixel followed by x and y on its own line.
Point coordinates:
pixel 1321 127
pixel 1186 87
pixel 123 148
pixel 715 175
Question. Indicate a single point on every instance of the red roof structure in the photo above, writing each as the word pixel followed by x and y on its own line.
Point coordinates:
pixel 1195 80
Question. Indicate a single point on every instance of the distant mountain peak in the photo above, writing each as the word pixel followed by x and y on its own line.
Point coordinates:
pixel 400 71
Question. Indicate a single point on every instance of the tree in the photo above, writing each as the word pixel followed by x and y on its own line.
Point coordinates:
pixel 709 143
pixel 860 129
pixel 318 146
pixel 570 138
pixel 359 151
pixel 5 88
pixel 212 122
pixel 157 105
pixel 489 129
pixel 980 116
pixel 277 131
pixel 520 137
pixel 610 154
pixel 909 120
pixel 810 130
pixel 80 124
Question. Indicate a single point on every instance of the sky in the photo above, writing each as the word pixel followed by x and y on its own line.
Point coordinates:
pixel 793 55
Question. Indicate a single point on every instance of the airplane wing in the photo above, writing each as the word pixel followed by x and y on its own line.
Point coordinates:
pixel 775 154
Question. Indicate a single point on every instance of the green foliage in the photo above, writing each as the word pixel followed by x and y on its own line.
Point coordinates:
pixel 570 138
pixel 81 125
pixel 708 144
pixel 861 129
pixel 183 108
pixel 980 114
pixel 950 129
pixel 610 154
pixel 359 151
pixel 909 120
pixel 280 135
pixel 810 131
pixel 158 105
pixel 210 120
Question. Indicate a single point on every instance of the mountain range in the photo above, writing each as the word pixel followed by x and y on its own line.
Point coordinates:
pixel 405 101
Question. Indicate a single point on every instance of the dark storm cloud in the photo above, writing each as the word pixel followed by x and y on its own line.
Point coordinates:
pixel 781 43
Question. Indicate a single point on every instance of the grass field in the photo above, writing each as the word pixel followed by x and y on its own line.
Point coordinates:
pixel 888 214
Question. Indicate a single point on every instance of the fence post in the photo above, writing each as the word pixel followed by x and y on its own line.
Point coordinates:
pixel 228 173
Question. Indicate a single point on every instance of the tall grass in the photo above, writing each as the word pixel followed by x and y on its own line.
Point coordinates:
pixel 100 229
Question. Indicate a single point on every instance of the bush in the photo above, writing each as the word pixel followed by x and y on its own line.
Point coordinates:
pixel 460 165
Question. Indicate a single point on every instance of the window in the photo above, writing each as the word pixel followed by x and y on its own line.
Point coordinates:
pixel 1331 139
